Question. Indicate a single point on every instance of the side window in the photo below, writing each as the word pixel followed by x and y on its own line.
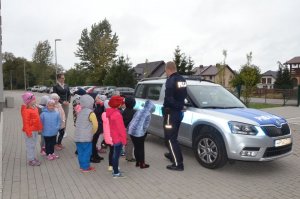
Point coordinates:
pixel 140 91
pixel 153 91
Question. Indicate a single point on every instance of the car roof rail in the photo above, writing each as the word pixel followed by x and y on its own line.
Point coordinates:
pixel 152 78
pixel 187 77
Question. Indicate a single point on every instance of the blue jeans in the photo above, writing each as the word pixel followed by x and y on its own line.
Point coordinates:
pixel 84 150
pixel 116 156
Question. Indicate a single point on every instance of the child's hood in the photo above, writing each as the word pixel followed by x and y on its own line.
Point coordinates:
pixel 44 100
pixel 149 106
pixel 130 102
pixel 86 101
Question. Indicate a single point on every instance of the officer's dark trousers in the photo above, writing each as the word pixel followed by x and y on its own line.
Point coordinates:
pixel 171 134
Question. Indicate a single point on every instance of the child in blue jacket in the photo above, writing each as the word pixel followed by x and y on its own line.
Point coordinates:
pixel 137 130
pixel 51 124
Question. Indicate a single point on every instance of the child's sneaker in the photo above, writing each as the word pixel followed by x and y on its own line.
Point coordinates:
pixel 37 162
pixel 110 168
pixel 57 147
pixel 50 157
pixel 118 175
pixel 43 153
pixel 34 163
pixel 122 153
pixel 88 170
pixel 55 155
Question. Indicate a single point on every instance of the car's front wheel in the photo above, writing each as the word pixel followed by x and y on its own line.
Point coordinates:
pixel 209 149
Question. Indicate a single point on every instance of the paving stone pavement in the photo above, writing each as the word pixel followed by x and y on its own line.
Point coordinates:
pixel 62 179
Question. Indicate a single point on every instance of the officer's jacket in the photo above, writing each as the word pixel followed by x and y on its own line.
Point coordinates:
pixel 175 92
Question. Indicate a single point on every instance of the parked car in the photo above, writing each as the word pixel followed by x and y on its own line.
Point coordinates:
pixel 125 91
pixel 42 89
pixel 28 88
pixel 218 126
pixel 74 89
pixel 49 89
pixel 105 90
pixel 35 88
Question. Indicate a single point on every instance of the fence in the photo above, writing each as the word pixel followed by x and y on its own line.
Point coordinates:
pixel 273 96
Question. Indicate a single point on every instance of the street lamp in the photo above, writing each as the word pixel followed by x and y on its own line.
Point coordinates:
pixel 56 58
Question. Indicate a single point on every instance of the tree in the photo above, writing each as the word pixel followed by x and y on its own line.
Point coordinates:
pixel 248 77
pixel 284 79
pixel 42 53
pixel 184 66
pixel 77 76
pixel 221 70
pixel 121 73
pixel 41 58
pixel 190 66
pixel 13 71
pixel 97 50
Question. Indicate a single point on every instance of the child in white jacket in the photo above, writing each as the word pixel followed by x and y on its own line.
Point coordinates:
pixel 61 131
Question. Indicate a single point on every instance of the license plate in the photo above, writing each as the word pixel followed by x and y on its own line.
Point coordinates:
pixel 283 142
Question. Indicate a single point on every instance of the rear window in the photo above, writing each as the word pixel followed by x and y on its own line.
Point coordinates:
pixel 148 91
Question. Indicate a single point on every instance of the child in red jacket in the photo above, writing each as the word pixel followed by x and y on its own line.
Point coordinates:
pixel 117 131
pixel 31 126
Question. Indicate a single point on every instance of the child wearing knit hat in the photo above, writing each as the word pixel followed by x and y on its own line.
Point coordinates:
pixel 60 110
pixel 51 122
pixel 43 103
pixel 117 131
pixel 31 126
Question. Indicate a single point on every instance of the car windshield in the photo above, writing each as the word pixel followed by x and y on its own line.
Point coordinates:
pixel 213 97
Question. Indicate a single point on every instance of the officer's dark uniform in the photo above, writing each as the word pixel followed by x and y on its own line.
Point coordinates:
pixel 175 94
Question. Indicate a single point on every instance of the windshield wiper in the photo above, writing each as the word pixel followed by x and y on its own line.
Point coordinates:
pixel 214 107
pixel 228 107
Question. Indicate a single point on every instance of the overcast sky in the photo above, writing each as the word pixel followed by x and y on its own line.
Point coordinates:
pixel 152 29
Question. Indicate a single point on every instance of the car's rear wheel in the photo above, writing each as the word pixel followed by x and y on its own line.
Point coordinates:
pixel 209 148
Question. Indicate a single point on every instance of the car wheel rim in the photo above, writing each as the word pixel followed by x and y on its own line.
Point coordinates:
pixel 207 150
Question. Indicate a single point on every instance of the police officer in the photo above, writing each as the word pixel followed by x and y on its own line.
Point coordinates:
pixel 175 95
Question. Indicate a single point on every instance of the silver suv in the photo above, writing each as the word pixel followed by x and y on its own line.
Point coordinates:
pixel 218 126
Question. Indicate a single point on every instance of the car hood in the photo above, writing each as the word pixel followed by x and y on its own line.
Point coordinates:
pixel 260 117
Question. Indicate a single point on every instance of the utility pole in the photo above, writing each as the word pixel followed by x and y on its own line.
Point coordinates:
pixel 56 58
pixel 10 80
pixel 1 69
pixel 24 77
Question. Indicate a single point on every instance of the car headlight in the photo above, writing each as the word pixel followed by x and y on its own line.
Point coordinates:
pixel 242 128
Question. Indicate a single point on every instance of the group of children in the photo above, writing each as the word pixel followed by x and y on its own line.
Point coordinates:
pixel 95 118
pixel 46 119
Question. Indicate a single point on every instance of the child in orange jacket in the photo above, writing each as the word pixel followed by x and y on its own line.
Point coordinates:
pixel 31 126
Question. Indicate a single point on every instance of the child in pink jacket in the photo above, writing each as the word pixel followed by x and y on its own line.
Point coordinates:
pixel 117 131
pixel 107 136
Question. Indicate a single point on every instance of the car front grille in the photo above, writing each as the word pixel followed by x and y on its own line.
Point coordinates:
pixel 275 151
pixel 273 131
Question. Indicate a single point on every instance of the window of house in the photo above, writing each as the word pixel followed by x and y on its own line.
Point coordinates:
pixel 263 80
pixel 269 80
